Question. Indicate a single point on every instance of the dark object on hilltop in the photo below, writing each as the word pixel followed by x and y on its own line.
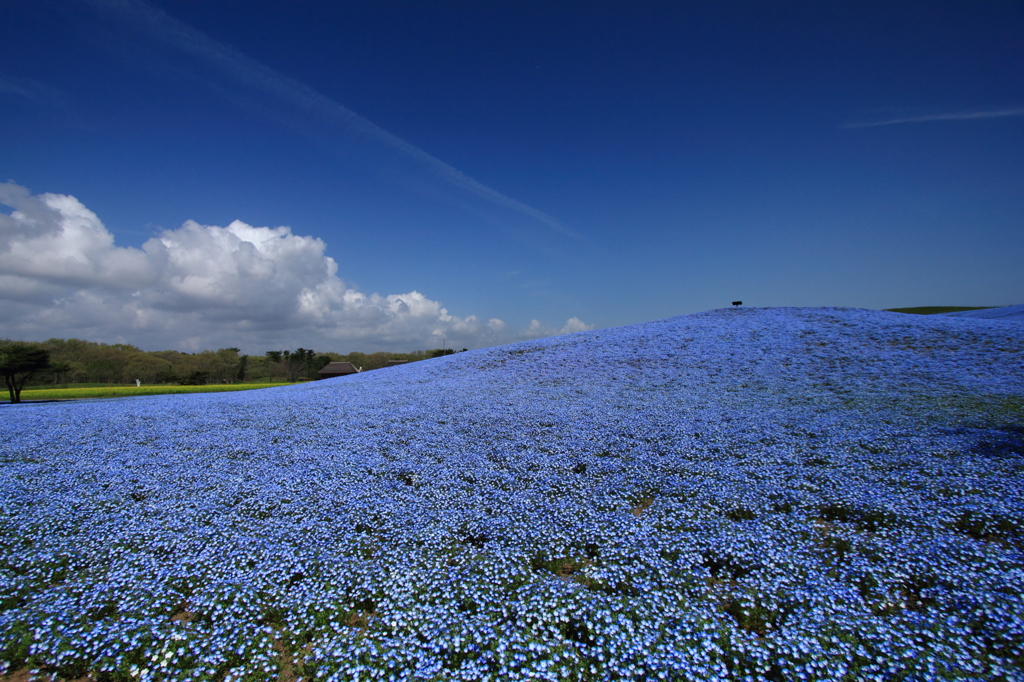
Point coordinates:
pixel 737 302
pixel 441 352
pixel 25 360
pixel 338 369
pixel 392 363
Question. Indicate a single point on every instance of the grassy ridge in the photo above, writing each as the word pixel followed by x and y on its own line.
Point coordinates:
pixel 937 309
pixel 79 393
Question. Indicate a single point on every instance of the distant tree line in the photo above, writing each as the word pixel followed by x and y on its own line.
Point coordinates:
pixel 74 361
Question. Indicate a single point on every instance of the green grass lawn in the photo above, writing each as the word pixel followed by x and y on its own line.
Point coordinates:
pixel 112 391
pixel 936 309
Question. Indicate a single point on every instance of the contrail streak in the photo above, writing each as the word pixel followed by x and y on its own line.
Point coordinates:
pixel 951 116
pixel 257 76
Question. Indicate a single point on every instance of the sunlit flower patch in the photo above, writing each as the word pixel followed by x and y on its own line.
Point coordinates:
pixel 780 494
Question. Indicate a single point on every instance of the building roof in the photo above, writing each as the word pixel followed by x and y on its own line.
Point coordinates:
pixel 392 363
pixel 338 368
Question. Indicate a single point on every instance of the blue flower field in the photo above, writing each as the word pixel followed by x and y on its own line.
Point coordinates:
pixel 742 494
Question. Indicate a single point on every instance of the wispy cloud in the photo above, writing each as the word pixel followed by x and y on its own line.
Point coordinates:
pixel 254 75
pixel 32 90
pixel 10 87
pixel 892 119
pixel 44 99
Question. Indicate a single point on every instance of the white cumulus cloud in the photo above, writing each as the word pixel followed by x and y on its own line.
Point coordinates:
pixel 537 330
pixel 204 286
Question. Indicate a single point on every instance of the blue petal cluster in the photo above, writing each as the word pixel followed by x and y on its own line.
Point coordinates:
pixel 751 494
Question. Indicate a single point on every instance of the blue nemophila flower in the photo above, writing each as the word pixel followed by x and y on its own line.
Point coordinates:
pixel 743 494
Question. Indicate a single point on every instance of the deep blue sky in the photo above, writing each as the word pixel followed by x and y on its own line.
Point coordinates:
pixel 646 159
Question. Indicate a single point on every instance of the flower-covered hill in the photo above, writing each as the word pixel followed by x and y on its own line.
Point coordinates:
pixel 1014 313
pixel 780 494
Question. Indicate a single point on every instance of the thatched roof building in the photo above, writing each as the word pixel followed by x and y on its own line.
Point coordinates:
pixel 338 369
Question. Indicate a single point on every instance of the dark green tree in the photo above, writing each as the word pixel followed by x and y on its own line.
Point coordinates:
pixel 18 362
pixel 295 363
pixel 243 365
pixel 307 358
pixel 196 378
pixel 166 376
